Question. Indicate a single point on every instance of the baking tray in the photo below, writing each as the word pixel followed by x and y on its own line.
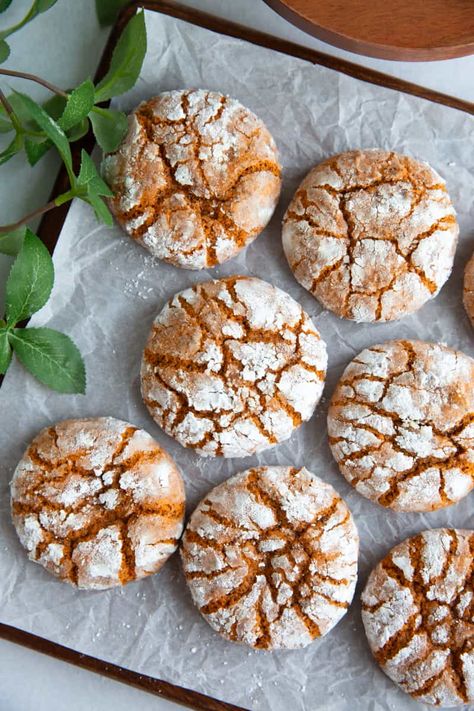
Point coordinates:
pixel 50 229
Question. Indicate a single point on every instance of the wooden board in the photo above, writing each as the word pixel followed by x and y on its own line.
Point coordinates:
pixel 50 230
pixel 412 30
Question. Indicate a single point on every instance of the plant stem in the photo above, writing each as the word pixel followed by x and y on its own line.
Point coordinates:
pixel 11 114
pixel 36 213
pixel 32 77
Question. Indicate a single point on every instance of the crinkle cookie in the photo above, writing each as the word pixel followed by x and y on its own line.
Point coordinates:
pixel 371 234
pixel 232 367
pixel 196 179
pixel 401 425
pixel 417 609
pixel 468 294
pixel 97 502
pixel 270 557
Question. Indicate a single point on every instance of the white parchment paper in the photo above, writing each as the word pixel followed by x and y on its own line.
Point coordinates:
pixel 106 295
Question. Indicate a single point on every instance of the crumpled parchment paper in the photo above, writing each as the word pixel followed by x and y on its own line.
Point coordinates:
pixel 106 295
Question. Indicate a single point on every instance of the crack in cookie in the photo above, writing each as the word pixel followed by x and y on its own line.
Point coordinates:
pixel 417 610
pixel 97 502
pixel 400 425
pixel 270 557
pixel 196 179
pixel 468 289
pixel 232 367
pixel 371 234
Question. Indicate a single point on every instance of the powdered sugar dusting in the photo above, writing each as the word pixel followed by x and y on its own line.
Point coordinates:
pixel 405 440
pixel 196 179
pixel 232 367
pixel 417 625
pixel 270 557
pixel 371 234
pixel 90 495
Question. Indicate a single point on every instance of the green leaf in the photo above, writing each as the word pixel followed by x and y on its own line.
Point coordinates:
pixel 126 62
pixel 5 351
pixel 11 242
pixel 51 357
pixel 100 208
pixel 88 176
pixel 30 280
pixel 12 149
pixel 78 131
pixel 52 130
pixel 43 5
pixel 109 127
pixel 80 101
pixel 4 4
pixel 36 148
pixel 5 125
pixel 55 106
pixel 4 51
pixel 107 10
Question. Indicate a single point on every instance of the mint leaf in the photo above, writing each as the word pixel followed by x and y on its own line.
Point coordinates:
pixel 4 51
pixel 80 101
pixel 52 129
pixel 90 178
pixel 51 357
pixel 43 5
pixel 12 149
pixel 126 62
pixel 101 210
pixel 11 242
pixel 5 351
pixel 5 125
pixel 36 148
pixel 4 4
pixel 30 280
pixel 55 106
pixel 107 10
pixel 78 131
pixel 109 127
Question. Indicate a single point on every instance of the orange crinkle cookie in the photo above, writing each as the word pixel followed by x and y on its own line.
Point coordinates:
pixel 232 367
pixel 417 610
pixel 196 179
pixel 270 557
pixel 97 502
pixel 401 425
pixel 371 234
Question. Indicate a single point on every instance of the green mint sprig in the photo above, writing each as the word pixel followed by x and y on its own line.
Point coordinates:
pixel 49 355
pixel 65 118
pixel 108 10
pixel 73 110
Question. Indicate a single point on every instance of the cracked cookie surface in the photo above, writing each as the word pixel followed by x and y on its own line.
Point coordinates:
pixel 417 609
pixel 371 234
pixel 232 366
pixel 401 425
pixel 270 557
pixel 468 292
pixel 97 502
pixel 196 179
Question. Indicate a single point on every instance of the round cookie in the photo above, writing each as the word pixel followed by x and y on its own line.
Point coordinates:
pixel 371 234
pixel 400 425
pixel 270 557
pixel 417 609
pixel 468 293
pixel 232 367
pixel 97 502
pixel 196 179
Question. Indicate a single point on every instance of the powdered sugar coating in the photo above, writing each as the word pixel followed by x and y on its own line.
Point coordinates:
pixel 468 293
pixel 371 234
pixel 270 557
pixel 97 502
pixel 418 614
pixel 196 179
pixel 232 366
pixel 401 425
